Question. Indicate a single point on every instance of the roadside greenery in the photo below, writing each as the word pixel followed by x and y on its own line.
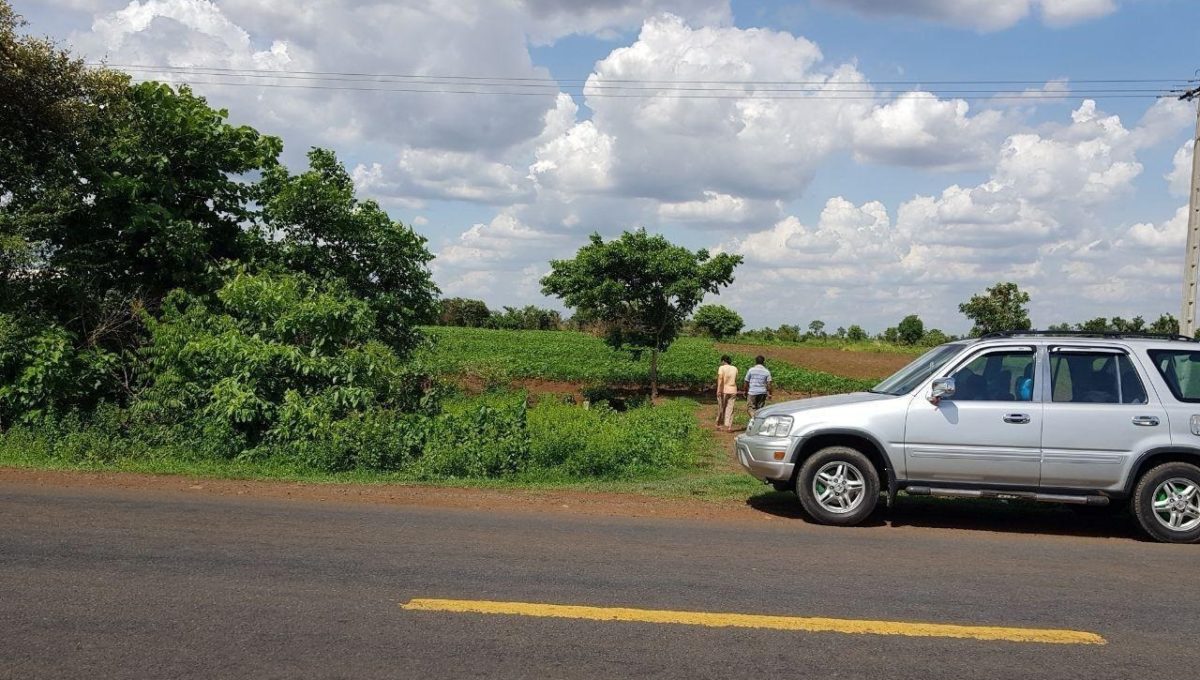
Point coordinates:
pixel 497 435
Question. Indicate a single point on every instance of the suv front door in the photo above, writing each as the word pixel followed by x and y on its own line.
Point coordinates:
pixel 989 431
pixel 1098 414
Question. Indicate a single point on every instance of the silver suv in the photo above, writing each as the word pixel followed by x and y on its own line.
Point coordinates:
pixel 1090 419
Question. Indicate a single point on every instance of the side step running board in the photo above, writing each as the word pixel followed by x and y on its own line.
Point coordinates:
pixel 1007 495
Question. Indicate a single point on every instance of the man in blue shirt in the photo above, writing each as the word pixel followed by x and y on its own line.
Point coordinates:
pixel 758 385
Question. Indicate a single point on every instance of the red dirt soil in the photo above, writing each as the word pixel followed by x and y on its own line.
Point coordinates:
pixel 493 500
pixel 828 359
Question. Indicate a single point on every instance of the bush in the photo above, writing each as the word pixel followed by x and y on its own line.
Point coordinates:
pixel 285 363
pixel 717 321
pixel 483 437
pixel 600 442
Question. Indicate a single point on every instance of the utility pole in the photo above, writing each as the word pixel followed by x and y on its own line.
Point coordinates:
pixel 1191 265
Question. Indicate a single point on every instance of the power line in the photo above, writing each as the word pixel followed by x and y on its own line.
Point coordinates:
pixel 556 81
pixel 667 94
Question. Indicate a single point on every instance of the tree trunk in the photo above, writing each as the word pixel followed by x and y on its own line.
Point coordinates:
pixel 654 374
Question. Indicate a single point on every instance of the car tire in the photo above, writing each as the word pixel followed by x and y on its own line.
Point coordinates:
pixel 1166 503
pixel 838 485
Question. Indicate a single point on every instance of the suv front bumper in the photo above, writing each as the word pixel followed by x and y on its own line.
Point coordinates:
pixel 758 456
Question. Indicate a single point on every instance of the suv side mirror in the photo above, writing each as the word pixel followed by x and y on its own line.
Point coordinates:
pixel 942 387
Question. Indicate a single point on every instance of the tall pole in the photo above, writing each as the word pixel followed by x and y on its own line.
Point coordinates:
pixel 1191 266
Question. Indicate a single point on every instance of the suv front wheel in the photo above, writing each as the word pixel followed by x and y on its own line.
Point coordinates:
pixel 1166 503
pixel 838 485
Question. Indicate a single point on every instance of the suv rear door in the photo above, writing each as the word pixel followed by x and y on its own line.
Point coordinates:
pixel 989 432
pixel 1099 412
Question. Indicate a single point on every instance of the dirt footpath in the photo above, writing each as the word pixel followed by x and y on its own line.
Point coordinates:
pixel 828 359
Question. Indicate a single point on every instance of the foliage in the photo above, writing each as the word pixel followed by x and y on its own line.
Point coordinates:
pixel 463 312
pixel 324 231
pixel 816 328
pixel 642 286
pixel 600 442
pixel 566 355
pixel 717 321
pixel 785 333
pixel 910 330
pixel 1165 324
pixel 1001 307
pixel 856 333
pixel 527 318
pixel 42 374
pixel 493 436
pixel 272 362
pixel 935 337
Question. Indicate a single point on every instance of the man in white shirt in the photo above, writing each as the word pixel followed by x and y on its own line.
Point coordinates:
pixel 726 394
pixel 758 385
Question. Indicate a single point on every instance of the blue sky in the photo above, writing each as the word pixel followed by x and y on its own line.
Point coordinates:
pixel 851 211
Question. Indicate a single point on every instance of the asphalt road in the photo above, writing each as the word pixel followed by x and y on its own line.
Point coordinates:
pixel 109 583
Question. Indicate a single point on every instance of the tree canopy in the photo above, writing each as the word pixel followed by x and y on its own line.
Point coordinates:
pixel 717 321
pixel 1001 307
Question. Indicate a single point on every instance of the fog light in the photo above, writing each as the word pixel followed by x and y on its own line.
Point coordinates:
pixel 779 455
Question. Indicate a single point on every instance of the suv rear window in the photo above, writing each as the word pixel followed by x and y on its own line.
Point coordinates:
pixel 1181 371
pixel 1094 378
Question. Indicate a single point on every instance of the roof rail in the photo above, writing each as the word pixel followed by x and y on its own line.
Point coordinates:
pixel 1089 334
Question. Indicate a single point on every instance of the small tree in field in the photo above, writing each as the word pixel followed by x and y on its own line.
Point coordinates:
pixel 910 330
pixel 816 328
pixel 717 321
pixel 999 308
pixel 642 287
pixel 856 333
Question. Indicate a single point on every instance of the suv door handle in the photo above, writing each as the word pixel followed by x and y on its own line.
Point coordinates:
pixel 1145 421
pixel 1017 418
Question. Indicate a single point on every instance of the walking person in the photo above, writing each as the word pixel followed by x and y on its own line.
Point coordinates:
pixel 758 385
pixel 726 393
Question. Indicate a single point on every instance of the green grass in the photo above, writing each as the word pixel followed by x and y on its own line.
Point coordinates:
pixel 577 357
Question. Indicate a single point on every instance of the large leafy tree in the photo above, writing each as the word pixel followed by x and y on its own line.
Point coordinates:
pixel 324 231
pixel 112 192
pixel 999 308
pixel 642 287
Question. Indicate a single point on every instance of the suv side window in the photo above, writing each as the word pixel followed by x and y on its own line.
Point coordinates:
pixel 1006 375
pixel 1181 371
pixel 1094 378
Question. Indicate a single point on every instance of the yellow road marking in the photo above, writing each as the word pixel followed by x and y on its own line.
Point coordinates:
pixel 715 620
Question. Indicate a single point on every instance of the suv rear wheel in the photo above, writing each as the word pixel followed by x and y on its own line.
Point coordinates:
pixel 1166 502
pixel 838 485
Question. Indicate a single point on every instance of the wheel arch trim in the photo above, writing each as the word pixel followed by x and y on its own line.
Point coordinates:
pixel 1144 462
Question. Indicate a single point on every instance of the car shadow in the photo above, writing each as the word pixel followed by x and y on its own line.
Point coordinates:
pixel 1014 516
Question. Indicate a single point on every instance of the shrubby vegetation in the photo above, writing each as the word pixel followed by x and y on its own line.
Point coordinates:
pixel 496 435
pixel 470 313
pixel 717 321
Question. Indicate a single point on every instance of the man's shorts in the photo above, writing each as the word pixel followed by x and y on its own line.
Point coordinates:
pixel 756 401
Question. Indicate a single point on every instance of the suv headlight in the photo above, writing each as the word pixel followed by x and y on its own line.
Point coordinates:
pixel 775 426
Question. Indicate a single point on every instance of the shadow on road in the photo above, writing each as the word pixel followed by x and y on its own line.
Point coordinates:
pixel 1017 517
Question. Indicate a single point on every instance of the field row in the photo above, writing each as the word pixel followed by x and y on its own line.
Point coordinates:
pixel 577 357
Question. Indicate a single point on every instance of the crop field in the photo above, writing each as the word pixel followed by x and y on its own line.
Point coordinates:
pixel 577 357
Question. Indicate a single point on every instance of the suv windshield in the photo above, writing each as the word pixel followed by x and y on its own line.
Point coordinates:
pixel 906 379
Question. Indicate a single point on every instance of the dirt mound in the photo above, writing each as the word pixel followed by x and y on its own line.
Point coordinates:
pixel 828 359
